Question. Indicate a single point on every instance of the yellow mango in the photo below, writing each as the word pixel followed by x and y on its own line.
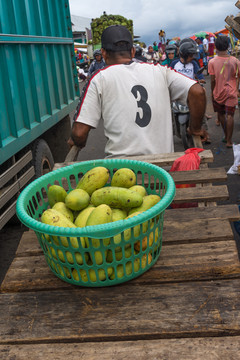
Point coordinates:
pixel 118 254
pixel 140 189
pixel 129 269
pixel 92 274
pixel 148 202
pixel 55 218
pixel 63 209
pixel 82 217
pixel 94 179
pixel 118 214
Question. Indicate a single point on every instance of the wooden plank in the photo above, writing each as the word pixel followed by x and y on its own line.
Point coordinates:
pixel 182 262
pixel 15 168
pixel 197 194
pixel 158 159
pixel 238 4
pixel 234 24
pixel 123 312
pixel 199 176
pixel 29 244
pixel 181 349
pixel 199 230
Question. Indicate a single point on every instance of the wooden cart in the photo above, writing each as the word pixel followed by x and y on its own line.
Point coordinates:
pixel 185 307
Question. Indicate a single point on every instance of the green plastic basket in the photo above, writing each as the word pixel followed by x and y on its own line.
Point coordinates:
pixel 120 261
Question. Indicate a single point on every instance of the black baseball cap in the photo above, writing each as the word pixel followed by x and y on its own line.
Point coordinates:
pixel 115 34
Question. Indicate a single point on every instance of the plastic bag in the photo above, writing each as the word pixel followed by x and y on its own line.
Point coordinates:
pixel 235 168
pixel 189 161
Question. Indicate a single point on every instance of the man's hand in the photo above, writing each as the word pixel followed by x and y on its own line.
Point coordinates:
pixel 70 142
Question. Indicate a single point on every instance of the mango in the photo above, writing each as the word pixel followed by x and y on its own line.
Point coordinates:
pixel 55 218
pixel 140 189
pixel 148 202
pixel 92 274
pixel 153 236
pixel 146 259
pixel 82 217
pixel 117 197
pixel 127 233
pixel 55 194
pixel 118 214
pixel 123 178
pixel 94 179
pixel 77 199
pixel 118 254
pixel 129 269
pixel 63 209
pixel 102 214
pixel 78 256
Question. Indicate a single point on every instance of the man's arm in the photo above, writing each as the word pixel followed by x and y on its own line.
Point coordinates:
pixel 79 134
pixel 197 106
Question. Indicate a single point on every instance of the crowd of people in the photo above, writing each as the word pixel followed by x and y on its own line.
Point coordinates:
pixel 134 99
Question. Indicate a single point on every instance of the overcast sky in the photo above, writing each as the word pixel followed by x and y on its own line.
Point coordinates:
pixel 177 17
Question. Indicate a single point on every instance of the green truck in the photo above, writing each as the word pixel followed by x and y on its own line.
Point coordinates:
pixel 38 90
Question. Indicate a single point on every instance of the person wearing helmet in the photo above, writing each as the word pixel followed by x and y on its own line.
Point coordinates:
pixel 171 52
pixel 187 64
pixel 139 55
pixel 98 62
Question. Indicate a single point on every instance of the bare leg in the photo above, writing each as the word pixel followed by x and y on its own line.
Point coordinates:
pixel 227 123
pixel 222 120
pixel 230 124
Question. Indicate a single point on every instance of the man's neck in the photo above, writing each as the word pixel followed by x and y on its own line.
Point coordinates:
pixel 223 53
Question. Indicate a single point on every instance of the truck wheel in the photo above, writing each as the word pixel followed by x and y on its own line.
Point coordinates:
pixel 42 158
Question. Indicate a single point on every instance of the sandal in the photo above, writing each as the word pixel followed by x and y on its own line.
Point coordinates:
pixel 224 140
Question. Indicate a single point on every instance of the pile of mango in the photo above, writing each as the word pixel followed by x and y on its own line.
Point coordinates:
pixel 92 203
pixel 101 23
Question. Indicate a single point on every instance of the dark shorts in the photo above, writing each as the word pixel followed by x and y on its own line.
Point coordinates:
pixel 223 109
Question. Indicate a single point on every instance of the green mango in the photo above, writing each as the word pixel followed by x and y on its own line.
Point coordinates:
pixel 77 199
pixel 55 194
pixel 117 197
pixel 102 214
pixel 123 178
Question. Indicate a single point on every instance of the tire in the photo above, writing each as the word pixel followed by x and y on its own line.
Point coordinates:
pixel 42 158
pixel 187 139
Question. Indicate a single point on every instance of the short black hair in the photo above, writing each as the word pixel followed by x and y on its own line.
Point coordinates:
pixel 222 43
pixel 118 51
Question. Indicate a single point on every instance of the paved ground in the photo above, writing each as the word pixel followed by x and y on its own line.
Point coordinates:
pixel 223 157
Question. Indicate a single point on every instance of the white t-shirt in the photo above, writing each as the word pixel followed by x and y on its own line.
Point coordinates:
pixel 187 69
pixel 134 101
pixel 205 44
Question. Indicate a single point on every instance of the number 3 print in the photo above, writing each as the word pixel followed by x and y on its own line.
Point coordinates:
pixel 142 103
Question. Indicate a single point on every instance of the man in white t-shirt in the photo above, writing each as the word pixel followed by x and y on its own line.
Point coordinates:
pixel 134 101
pixel 205 43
